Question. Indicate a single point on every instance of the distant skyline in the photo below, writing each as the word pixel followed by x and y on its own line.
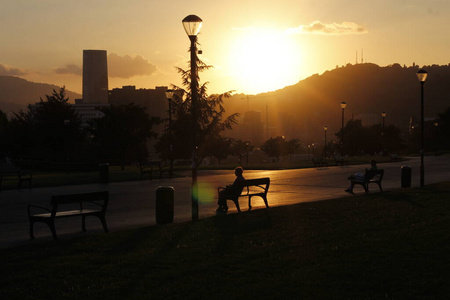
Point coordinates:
pixel 254 46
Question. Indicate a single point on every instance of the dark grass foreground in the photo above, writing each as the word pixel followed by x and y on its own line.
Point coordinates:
pixel 391 245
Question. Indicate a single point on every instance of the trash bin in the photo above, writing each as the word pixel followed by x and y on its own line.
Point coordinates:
pixel 406 177
pixel 103 172
pixel 164 204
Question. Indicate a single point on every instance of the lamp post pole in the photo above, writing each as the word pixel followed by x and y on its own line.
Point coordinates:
pixel 343 105
pixel 422 76
pixel 325 128
pixel 192 25
pixel 169 96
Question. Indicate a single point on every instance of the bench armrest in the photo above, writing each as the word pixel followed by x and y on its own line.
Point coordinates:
pixel 97 203
pixel 220 188
pixel 263 187
pixel 30 206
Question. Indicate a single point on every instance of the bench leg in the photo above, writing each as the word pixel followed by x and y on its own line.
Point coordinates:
pixel 52 228
pixel 102 219
pixel 236 202
pixel 31 230
pixel 83 223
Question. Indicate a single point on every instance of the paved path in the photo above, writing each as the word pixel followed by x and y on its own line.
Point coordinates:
pixel 132 204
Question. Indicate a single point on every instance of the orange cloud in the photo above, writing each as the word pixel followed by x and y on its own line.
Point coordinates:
pixel 10 71
pixel 69 69
pixel 127 66
pixel 318 27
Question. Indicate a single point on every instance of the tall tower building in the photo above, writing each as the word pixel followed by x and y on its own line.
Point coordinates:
pixel 95 76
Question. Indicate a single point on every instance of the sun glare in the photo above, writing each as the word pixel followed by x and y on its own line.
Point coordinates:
pixel 264 61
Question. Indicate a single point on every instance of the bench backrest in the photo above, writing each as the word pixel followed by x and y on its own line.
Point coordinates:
pixel 374 174
pixel 254 182
pixel 101 198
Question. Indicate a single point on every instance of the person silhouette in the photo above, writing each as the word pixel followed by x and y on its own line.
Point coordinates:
pixel 230 189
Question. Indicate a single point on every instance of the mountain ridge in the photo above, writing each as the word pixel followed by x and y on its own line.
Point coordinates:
pixel 16 93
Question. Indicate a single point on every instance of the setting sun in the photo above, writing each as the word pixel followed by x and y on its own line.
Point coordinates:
pixel 263 61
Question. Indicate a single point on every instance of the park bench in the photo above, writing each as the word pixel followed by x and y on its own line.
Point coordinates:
pixel 340 161
pixel 319 162
pixel 394 157
pixel 370 176
pixel 152 166
pixel 249 188
pixel 9 171
pixel 71 205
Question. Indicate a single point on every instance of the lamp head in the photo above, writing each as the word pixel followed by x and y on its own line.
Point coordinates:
pixel 343 104
pixel 422 75
pixel 169 94
pixel 192 25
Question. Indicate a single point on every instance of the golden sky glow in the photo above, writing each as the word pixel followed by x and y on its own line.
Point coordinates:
pixel 255 46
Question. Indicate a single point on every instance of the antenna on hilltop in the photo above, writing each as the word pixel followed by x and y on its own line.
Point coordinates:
pixel 362 56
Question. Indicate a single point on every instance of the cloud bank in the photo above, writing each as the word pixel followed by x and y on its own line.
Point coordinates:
pixel 318 27
pixel 69 69
pixel 127 66
pixel 9 71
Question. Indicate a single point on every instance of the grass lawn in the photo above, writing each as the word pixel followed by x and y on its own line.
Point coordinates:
pixel 390 245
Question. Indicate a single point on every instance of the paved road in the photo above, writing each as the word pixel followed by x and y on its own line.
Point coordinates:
pixel 132 204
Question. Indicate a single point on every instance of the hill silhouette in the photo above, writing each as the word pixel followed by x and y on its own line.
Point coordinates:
pixel 301 110
pixel 16 93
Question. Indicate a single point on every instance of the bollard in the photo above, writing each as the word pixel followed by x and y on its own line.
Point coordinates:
pixel 406 177
pixel 164 204
pixel 103 173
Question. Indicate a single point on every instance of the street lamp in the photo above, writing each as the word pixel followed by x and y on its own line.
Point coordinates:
pixel 192 25
pixel 325 128
pixel 247 146
pixel 169 96
pixel 436 126
pixel 383 115
pixel 422 76
pixel 343 105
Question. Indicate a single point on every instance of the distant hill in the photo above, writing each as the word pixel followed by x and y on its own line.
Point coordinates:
pixel 16 93
pixel 301 110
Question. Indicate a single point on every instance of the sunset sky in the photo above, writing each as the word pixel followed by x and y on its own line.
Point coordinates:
pixel 254 46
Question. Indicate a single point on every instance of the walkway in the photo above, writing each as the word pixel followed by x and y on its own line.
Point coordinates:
pixel 132 204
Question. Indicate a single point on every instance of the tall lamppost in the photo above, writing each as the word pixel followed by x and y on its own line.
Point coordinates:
pixel 343 105
pixel 436 127
pixel 383 115
pixel 192 25
pixel 325 128
pixel 169 96
pixel 422 76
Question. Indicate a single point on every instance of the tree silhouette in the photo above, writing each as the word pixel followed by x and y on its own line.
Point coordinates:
pixel 121 135
pixel 50 130
pixel 210 121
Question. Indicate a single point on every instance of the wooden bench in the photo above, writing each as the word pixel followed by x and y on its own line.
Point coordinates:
pixel 249 188
pixel 319 162
pixel 150 167
pixel 20 176
pixel 394 157
pixel 10 171
pixel 82 205
pixel 370 176
pixel 340 161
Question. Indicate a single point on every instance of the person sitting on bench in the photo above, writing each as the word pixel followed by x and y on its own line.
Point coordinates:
pixel 229 189
pixel 360 176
